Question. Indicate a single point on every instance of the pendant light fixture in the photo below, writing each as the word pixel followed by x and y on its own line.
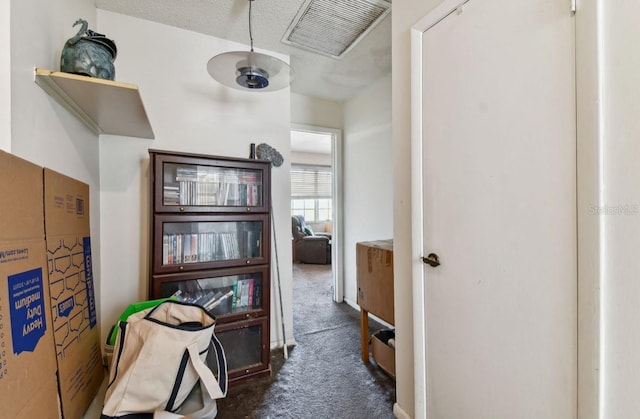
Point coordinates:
pixel 249 70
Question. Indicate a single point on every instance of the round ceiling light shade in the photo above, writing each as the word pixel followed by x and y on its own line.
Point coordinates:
pixel 248 70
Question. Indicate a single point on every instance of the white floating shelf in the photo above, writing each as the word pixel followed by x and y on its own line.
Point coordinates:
pixel 105 106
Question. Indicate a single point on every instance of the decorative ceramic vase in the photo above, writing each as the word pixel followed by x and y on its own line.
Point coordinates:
pixel 89 53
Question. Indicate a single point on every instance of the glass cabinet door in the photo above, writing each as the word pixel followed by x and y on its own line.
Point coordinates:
pixel 238 293
pixel 194 242
pixel 211 185
pixel 246 348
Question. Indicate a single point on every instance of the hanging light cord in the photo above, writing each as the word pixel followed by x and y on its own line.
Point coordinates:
pixel 250 34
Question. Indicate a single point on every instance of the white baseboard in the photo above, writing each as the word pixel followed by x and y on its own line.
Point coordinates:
pixel 399 413
pixel 278 343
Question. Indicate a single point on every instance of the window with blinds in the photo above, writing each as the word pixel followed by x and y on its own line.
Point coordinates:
pixel 310 181
pixel 311 192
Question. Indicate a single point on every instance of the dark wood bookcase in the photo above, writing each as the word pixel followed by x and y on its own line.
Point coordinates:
pixel 210 245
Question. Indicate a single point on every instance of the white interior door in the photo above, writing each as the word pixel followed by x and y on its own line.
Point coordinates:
pixel 497 144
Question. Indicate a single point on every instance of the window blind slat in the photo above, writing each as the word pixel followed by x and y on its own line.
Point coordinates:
pixel 310 181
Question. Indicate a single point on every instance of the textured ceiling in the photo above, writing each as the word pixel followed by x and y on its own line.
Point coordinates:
pixel 316 75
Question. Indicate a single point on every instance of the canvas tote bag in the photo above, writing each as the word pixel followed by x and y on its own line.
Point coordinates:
pixel 162 362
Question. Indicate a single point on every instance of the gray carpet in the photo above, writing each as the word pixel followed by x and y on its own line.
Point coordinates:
pixel 324 376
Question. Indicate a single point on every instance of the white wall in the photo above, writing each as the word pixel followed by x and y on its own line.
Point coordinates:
pixel 405 14
pixel 311 158
pixel 41 130
pixel 306 110
pixel 368 176
pixel 621 213
pixel 589 196
pixel 189 112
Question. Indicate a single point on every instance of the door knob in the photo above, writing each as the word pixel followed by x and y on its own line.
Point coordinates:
pixel 431 260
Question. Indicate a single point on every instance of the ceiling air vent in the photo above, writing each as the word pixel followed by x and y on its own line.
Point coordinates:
pixel 333 27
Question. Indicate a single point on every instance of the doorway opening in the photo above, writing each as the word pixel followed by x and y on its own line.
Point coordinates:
pixel 316 200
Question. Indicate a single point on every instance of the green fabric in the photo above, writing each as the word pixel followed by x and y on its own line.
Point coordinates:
pixel 132 309
pixel 308 231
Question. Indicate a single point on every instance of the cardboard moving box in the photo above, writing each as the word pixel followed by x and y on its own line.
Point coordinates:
pixel 383 354
pixel 77 340
pixel 28 387
pixel 374 266
pixel 374 262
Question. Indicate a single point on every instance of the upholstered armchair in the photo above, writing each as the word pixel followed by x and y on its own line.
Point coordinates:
pixel 309 247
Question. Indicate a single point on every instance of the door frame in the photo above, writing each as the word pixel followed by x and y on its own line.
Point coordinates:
pixel 337 233
pixel 417 198
pixel 590 230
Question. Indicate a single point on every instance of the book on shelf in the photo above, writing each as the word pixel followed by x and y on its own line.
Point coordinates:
pixel 179 248
pixel 209 299
pixel 223 252
pixel 178 255
pixel 172 249
pixel 201 252
pixel 207 186
pixel 194 247
pixel 186 248
pixel 257 293
pixel 246 292
pixel 250 294
pixel 188 290
pixel 233 194
pixel 234 295
pixel 243 194
pixel 187 173
pixel 214 245
pixel 235 249
pixel 212 186
pixel 250 243
pixel 229 245
pixel 249 194
pixel 171 194
pixel 218 299
pixel 165 249
pixel 204 298
pixel 243 294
